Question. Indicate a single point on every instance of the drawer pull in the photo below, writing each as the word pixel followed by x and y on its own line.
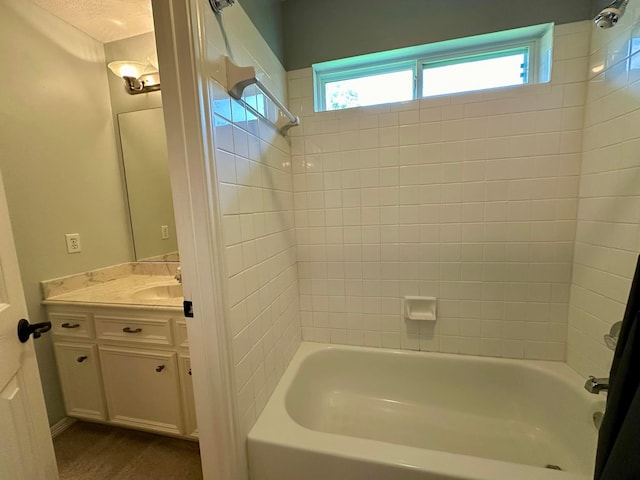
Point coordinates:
pixel 159 368
pixel 70 325
pixel 131 330
pixel 82 358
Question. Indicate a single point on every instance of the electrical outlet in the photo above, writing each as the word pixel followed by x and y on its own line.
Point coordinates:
pixel 73 242
pixel 164 232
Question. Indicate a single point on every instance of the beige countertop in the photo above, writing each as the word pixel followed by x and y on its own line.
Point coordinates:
pixel 130 290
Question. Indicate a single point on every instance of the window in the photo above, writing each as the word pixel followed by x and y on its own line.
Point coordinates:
pixel 363 91
pixel 635 52
pixel 497 69
pixel 502 59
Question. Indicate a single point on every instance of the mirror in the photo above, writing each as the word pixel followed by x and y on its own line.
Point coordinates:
pixel 146 171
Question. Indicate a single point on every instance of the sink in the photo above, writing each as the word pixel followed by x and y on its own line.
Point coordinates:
pixel 159 292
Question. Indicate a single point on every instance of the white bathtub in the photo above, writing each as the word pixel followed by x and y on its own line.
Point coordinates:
pixel 370 414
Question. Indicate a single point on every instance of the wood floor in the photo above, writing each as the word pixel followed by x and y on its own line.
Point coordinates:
pixel 88 451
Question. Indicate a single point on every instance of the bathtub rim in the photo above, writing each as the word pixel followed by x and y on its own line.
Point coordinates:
pixel 275 426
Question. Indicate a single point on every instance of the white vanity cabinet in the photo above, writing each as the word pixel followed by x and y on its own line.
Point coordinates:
pixel 191 426
pixel 125 366
pixel 142 388
pixel 81 381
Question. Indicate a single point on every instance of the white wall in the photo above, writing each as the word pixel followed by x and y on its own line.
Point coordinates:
pixel 608 229
pixel 58 159
pixel 470 198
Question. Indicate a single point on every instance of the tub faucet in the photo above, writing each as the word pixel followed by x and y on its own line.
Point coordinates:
pixel 178 275
pixel 596 385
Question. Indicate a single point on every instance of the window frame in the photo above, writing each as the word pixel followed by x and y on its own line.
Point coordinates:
pixel 529 39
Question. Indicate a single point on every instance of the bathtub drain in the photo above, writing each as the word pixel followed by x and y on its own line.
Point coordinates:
pixel 552 467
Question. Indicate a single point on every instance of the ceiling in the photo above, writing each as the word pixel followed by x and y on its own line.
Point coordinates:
pixel 104 20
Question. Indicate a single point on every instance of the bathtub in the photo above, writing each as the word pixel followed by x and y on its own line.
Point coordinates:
pixel 352 413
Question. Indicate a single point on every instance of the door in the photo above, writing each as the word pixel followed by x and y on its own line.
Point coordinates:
pixel 26 450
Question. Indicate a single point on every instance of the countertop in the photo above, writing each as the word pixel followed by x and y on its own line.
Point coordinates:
pixel 120 291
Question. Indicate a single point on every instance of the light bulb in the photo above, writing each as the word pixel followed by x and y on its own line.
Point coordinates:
pixel 127 69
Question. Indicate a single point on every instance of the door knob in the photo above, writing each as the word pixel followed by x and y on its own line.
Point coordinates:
pixel 25 329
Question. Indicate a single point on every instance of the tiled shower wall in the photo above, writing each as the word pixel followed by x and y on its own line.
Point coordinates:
pixel 255 192
pixel 608 229
pixel 255 200
pixel 470 198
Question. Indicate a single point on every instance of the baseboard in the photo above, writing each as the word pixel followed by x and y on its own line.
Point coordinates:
pixel 61 426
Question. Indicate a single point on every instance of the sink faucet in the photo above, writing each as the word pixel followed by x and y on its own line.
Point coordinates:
pixel 178 275
pixel 596 385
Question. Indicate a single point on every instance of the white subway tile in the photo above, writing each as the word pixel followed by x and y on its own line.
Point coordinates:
pixel 498 171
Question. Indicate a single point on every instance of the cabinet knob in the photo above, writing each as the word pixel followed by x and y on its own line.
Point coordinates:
pixel 70 325
pixel 189 371
pixel 131 330
pixel 82 358
pixel 159 368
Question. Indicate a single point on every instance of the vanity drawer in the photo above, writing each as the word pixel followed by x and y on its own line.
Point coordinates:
pixel 134 330
pixel 73 325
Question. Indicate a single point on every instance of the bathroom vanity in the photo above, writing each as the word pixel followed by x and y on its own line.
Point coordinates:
pixel 121 345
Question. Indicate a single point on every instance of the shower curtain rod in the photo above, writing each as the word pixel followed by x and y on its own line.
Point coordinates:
pixel 239 78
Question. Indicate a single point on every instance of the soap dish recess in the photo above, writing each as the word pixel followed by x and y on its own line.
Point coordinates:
pixel 420 308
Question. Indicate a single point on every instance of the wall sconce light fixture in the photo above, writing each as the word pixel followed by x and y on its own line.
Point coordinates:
pixel 218 5
pixel 138 77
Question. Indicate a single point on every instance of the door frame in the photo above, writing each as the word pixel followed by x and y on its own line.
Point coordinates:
pixel 180 41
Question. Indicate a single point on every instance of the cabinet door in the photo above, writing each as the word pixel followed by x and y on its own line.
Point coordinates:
pixel 79 370
pixel 191 425
pixel 142 388
pixel 181 334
